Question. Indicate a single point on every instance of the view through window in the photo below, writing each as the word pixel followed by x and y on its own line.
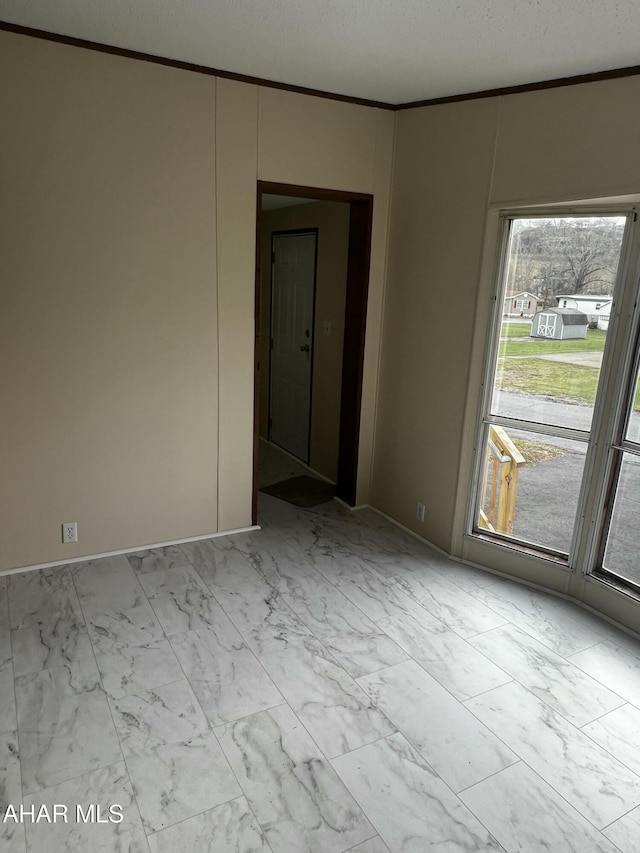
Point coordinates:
pixel 545 370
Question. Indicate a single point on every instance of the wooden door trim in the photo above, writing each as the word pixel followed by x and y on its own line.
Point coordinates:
pixel 358 268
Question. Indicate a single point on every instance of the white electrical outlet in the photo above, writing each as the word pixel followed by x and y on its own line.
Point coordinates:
pixel 69 531
pixel 420 513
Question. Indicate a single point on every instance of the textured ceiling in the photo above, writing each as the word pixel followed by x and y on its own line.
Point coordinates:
pixel 385 50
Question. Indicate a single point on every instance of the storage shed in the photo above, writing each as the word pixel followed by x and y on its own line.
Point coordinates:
pixel 560 324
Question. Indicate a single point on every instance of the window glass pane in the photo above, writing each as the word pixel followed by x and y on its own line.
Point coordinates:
pixel 622 554
pixel 633 427
pixel 550 354
pixel 529 486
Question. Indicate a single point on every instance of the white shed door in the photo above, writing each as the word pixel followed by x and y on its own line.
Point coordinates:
pixel 547 325
pixel 292 299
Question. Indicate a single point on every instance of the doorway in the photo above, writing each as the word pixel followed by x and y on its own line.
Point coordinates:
pixel 294 256
pixel 345 327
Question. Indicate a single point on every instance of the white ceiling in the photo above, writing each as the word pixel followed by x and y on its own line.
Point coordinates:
pixel 387 50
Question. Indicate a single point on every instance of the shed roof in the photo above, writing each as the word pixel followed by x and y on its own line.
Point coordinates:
pixel 570 316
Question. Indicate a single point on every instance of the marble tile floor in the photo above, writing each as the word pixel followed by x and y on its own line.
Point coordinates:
pixel 325 684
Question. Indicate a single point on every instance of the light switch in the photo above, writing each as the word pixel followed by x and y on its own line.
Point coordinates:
pixel 326 328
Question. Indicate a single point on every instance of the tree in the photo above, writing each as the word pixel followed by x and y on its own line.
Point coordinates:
pixel 569 254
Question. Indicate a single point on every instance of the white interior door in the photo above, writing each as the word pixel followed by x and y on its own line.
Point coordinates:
pixel 292 299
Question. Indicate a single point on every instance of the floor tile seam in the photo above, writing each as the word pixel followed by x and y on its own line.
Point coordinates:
pixel 569 807
pixel 423 759
pixel 364 841
pixel 64 662
pixel 557 609
pixel 48 616
pixel 115 728
pixel 515 749
pixel 209 731
pixel 396 581
pixel 374 631
pixel 241 796
pixel 293 613
pixel 256 658
pixel 245 793
pixel 39 791
pixel 462 703
pixel 323 753
pixel 597 743
pixel 317 571
pixel 332 659
pixel 245 640
pixel 635 704
pixel 626 814
pixel 562 658
pixel 83 605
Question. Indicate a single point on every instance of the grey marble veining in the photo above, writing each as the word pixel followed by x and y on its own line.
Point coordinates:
pixel 157 559
pixel 409 805
pixel 181 600
pixel 459 747
pixel 175 763
pixel 615 666
pixel 323 596
pixel 452 661
pixel 45 592
pixel 625 832
pixel 458 610
pixel 10 780
pixel 334 709
pixel 128 669
pixel 134 626
pixel 64 724
pixel 352 637
pixel 106 585
pixel 266 623
pixel 104 787
pixel 229 828
pixel 556 681
pixel 225 674
pixel 50 640
pixel 526 815
pixel 376 596
pixel 589 778
pixel 7 699
pixel 294 792
pixel 619 733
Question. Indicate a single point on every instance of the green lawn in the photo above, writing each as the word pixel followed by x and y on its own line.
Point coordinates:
pixel 594 342
pixel 515 330
pixel 552 379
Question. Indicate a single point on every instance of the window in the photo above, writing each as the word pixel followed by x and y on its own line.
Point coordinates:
pixel 522 304
pixel 541 474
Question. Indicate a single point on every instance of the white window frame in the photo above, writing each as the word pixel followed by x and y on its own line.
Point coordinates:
pixel 624 329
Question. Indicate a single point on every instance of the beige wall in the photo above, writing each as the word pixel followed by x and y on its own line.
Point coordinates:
pixel 127 275
pixel 455 167
pixel 108 319
pixel 441 183
pixel 332 221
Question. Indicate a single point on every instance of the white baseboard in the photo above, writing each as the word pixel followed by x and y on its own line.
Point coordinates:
pixel 504 575
pixel 138 548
